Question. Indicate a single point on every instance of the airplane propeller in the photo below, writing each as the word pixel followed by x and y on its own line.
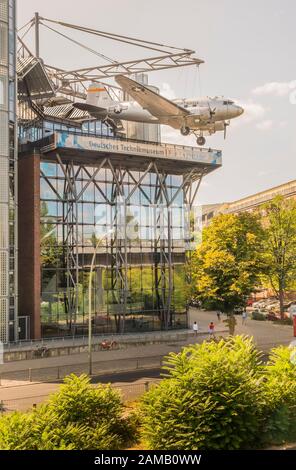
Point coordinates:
pixel 226 124
pixel 212 111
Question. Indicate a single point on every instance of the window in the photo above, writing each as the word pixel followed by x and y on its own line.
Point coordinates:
pixel 3 44
pixel 2 91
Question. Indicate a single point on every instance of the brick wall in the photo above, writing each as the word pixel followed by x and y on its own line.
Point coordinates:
pixel 29 241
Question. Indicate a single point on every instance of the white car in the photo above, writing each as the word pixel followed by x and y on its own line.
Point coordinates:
pixel 292 310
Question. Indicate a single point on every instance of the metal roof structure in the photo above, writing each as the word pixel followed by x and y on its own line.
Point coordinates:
pixel 65 111
pixel 33 80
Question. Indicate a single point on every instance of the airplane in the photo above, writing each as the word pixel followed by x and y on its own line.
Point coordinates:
pixel 191 116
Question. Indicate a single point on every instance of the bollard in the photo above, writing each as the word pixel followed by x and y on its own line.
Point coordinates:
pixel 30 375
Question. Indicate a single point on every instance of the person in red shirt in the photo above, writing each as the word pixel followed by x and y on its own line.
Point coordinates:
pixel 211 328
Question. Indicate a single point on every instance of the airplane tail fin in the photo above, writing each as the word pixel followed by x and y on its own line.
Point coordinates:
pixel 97 95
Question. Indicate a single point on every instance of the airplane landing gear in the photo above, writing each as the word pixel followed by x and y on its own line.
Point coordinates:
pixel 185 130
pixel 201 140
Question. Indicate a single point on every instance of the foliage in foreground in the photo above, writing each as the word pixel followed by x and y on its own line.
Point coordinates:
pixel 279 397
pixel 215 395
pixel 220 396
pixel 77 417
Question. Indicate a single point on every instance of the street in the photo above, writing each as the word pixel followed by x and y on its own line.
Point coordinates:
pixel 128 370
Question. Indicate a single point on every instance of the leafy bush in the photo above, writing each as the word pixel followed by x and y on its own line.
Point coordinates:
pixel 77 417
pixel 279 398
pixel 209 400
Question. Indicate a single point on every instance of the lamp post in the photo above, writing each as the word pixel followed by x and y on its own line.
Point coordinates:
pixel 90 299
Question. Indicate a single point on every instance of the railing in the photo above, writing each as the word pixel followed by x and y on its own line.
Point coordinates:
pixel 82 340
pixel 128 392
pixel 169 148
pixel 59 372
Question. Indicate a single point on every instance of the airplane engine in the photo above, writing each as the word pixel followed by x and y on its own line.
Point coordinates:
pixel 219 126
pixel 213 127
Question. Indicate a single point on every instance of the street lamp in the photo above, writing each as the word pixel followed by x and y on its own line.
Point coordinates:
pixel 90 299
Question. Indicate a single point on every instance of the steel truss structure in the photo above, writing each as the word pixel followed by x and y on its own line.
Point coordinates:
pixel 74 83
pixel 119 201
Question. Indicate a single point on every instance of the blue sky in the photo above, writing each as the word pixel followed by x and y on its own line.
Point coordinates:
pixel 248 48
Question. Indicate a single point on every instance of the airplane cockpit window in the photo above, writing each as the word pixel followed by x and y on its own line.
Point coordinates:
pixel 228 102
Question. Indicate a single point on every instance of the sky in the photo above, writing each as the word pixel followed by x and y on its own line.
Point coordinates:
pixel 248 49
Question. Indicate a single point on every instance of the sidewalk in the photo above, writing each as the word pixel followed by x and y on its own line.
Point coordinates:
pixel 133 357
pixel 83 340
pixel 266 334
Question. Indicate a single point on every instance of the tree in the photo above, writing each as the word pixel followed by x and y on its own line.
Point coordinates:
pixel 280 245
pixel 231 323
pixel 227 265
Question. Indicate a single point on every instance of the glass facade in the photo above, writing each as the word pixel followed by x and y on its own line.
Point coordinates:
pixel 138 283
pixel 8 171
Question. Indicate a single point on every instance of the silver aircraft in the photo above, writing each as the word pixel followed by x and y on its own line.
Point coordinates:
pixel 200 116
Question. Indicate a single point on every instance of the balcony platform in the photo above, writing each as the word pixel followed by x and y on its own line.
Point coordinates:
pixel 131 154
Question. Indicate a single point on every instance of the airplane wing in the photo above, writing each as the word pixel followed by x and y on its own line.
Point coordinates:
pixel 163 109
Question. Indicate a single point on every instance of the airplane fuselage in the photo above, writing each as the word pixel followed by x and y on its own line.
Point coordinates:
pixel 196 116
pixel 201 112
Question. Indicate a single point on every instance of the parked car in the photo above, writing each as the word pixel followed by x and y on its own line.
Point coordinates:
pixel 292 310
pixel 238 310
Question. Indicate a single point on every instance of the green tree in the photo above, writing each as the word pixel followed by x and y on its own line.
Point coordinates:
pixel 279 224
pixel 227 265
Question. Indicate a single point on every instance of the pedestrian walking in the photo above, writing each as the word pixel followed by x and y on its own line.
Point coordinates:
pixel 245 316
pixel 219 316
pixel 211 329
pixel 195 328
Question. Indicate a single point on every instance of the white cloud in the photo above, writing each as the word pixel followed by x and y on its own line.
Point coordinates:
pixel 275 88
pixel 283 124
pixel 265 125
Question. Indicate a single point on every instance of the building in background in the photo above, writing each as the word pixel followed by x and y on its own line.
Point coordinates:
pixel 249 203
pixel 141 130
pixel 8 173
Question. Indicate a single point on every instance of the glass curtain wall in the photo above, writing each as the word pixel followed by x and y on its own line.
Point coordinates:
pixel 133 265
pixel 8 171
